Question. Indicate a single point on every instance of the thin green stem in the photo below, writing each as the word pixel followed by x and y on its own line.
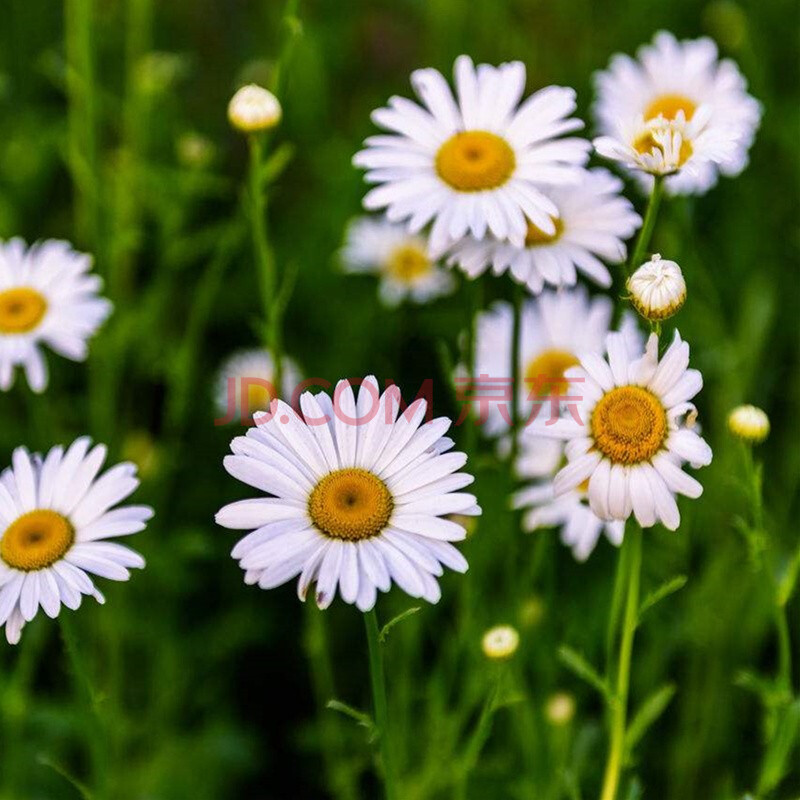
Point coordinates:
pixel 646 233
pixel 619 705
pixel 381 708
pixel 265 258
pixel 516 376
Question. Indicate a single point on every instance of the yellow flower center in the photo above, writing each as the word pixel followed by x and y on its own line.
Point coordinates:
pixel 629 425
pixel 408 263
pixel 536 236
pixel 258 398
pixel 472 161
pixel 21 310
pixel 646 143
pixel 350 504
pixel 36 540
pixel 545 373
pixel 668 106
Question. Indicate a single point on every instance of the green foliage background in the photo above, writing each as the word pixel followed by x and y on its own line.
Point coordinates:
pixel 205 688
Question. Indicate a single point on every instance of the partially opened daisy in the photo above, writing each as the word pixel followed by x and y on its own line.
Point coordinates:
pixel 47 298
pixel 555 327
pixel 56 517
pixel 400 258
pixel 475 164
pixel 354 497
pixel 246 383
pixel 680 82
pixel 593 222
pixel 580 527
pixel 628 436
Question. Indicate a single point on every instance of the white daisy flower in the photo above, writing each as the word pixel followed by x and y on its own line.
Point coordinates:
pixel 668 147
pixel 580 526
pixel 475 164
pixel 672 80
pixel 356 497
pixel 555 327
pixel 56 516
pixel 628 438
pixel 400 258
pixel 593 223
pixel 46 297
pixel 244 381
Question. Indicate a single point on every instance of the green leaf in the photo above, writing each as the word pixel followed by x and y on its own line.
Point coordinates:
pixel 361 717
pixel 277 163
pixel 649 711
pixel 79 787
pixel 392 622
pixel 667 588
pixel 775 766
pixel 577 664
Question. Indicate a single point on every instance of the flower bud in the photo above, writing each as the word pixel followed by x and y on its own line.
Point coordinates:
pixel 560 708
pixel 657 289
pixel 253 109
pixel 500 643
pixel 749 423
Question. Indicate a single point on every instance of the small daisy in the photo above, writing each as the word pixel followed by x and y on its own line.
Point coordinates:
pixel 685 80
pixel 632 439
pixel 55 516
pixel 500 643
pixel 244 380
pixel 555 327
pixel 580 526
pixel 400 258
pixel 355 497
pixel 593 222
pixel 474 164
pixel 46 297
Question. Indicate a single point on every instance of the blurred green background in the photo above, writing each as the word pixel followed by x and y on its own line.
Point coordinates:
pixel 113 135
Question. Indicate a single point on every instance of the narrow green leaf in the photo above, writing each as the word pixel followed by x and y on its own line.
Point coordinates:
pixel 361 717
pixel 277 163
pixel 392 622
pixel 649 711
pixel 79 787
pixel 577 664
pixel 775 765
pixel 667 588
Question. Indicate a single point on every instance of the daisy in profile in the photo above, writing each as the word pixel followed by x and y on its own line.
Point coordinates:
pixel 680 100
pixel 580 527
pixel 593 222
pixel 56 517
pixel 246 381
pixel 47 298
pixel 474 164
pixel 400 258
pixel 555 328
pixel 627 440
pixel 354 497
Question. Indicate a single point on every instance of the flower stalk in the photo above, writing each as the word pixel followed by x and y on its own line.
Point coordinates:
pixel 646 233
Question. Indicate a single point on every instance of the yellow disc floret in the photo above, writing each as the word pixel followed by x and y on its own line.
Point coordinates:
pixel 544 374
pixel 669 105
pixel 473 161
pixel 536 236
pixel 21 309
pixel 36 540
pixel 351 504
pixel 629 425
pixel 408 263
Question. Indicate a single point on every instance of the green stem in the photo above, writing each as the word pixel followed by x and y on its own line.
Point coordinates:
pixel 619 705
pixel 95 727
pixel 381 708
pixel 516 377
pixel 646 233
pixel 265 258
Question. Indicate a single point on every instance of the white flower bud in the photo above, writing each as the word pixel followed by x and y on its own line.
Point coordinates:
pixel 749 423
pixel 254 109
pixel 500 642
pixel 560 708
pixel 657 289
